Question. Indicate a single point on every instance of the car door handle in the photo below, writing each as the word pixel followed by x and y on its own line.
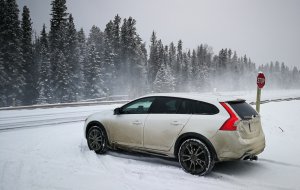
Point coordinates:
pixel 175 123
pixel 136 122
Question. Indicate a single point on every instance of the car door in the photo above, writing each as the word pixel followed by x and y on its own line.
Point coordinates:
pixel 127 127
pixel 164 123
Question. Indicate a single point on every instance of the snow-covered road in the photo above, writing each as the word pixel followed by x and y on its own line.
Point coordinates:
pixel 10 119
pixel 56 156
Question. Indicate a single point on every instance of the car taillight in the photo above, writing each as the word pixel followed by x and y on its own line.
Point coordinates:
pixel 229 124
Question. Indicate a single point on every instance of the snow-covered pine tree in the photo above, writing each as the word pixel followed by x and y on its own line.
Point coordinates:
pixel 164 81
pixel 132 58
pixel 82 46
pixel 172 58
pixel 295 77
pixel 124 41
pixel 116 43
pixel 153 62
pixel 178 67
pixel 29 69
pixel 94 74
pixel 184 71
pixel 136 65
pixel 189 77
pixel 235 70
pixel 72 60
pixel 194 69
pixel 93 68
pixel 108 59
pixel 11 54
pixel 96 37
pixel 57 42
pixel 3 75
pixel 44 87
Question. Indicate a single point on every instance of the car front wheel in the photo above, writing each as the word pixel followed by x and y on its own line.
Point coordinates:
pixel 97 140
pixel 195 157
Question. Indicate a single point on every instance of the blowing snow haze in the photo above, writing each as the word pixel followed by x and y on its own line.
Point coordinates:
pixel 265 30
pixel 62 51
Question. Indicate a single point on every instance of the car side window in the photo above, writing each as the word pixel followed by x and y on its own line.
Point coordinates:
pixel 204 108
pixel 185 107
pixel 140 106
pixel 165 105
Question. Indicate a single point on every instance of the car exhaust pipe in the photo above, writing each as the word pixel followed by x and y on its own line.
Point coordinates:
pixel 253 158
pixel 250 157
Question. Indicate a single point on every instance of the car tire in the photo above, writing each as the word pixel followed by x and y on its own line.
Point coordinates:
pixel 195 157
pixel 97 139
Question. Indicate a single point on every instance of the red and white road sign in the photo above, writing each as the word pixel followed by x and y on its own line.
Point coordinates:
pixel 261 80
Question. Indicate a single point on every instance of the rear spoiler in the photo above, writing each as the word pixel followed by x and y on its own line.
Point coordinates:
pixel 236 101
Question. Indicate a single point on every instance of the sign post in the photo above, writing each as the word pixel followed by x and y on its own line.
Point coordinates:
pixel 260 84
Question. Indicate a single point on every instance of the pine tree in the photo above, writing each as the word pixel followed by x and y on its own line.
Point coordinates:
pixel 72 58
pixel 57 39
pixel 82 60
pixel 164 81
pixel 93 69
pixel 3 75
pixel 185 71
pixel 132 58
pixel 44 78
pixel 194 67
pixel 29 69
pixel 94 74
pixel 172 58
pixel 11 55
pixel 109 57
pixel 178 66
pixel 96 37
pixel 153 62
pixel 116 43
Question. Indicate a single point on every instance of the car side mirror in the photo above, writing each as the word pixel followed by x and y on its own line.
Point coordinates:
pixel 117 111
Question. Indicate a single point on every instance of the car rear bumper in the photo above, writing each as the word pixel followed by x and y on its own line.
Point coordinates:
pixel 230 146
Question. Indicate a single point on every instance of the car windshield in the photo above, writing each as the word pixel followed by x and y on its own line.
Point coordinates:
pixel 243 109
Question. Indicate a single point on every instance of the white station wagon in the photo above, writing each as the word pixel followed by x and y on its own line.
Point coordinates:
pixel 198 130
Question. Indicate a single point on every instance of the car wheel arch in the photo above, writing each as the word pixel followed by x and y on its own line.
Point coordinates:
pixel 191 135
pixel 98 124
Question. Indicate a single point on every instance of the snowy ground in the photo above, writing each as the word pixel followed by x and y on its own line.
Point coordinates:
pixel 52 154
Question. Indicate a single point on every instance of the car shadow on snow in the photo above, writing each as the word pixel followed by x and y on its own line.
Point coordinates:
pixel 232 168
pixel 153 159
pixel 237 168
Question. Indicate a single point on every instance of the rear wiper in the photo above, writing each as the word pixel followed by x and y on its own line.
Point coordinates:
pixel 250 117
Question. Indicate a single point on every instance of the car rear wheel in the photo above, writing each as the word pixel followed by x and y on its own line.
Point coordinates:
pixel 97 140
pixel 195 157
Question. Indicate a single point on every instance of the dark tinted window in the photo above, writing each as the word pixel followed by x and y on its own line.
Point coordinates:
pixel 140 106
pixel 244 110
pixel 204 108
pixel 165 105
pixel 185 107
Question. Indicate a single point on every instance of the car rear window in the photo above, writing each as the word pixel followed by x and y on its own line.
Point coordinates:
pixel 243 109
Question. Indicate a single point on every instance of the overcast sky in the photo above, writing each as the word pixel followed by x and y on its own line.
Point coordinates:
pixel 265 30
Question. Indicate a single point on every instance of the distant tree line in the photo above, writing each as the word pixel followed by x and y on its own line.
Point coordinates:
pixel 64 65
